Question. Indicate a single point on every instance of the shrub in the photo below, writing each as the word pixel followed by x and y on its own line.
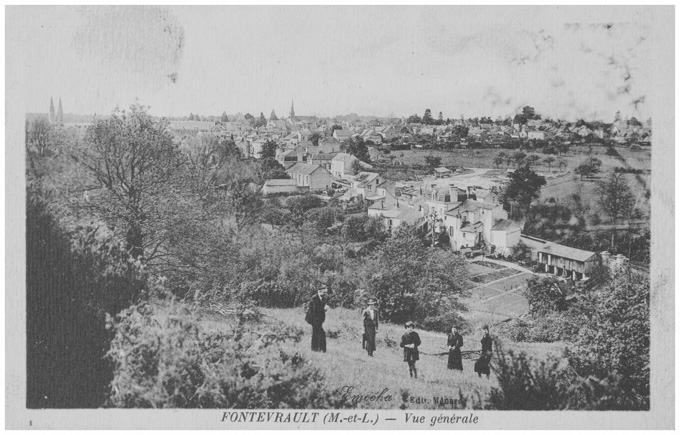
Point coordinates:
pixel 549 329
pixel 164 358
pixel 73 278
pixel 527 384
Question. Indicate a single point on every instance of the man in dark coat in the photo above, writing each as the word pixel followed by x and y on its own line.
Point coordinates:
pixel 316 315
pixel 410 342
pixel 482 364
pixel 371 322
pixel 455 342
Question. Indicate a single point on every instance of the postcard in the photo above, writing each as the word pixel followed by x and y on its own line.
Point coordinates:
pixel 340 217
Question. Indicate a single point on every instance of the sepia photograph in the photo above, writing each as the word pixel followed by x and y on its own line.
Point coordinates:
pixel 339 217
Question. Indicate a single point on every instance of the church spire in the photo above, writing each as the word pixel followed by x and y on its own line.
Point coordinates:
pixel 60 114
pixel 292 109
pixel 52 117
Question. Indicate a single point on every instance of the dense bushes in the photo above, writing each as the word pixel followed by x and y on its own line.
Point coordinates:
pixel 166 358
pixel 413 282
pixel 72 281
pixel 607 332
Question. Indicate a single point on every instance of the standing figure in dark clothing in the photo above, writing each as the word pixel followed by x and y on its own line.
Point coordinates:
pixel 316 315
pixel 370 316
pixel 410 342
pixel 455 342
pixel 482 364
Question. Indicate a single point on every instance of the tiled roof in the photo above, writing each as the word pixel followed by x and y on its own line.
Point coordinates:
pixel 567 252
pixel 473 228
pixel 303 168
pixel 280 182
pixel 472 205
pixel 504 224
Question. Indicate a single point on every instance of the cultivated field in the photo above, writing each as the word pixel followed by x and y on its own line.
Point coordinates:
pixel 561 185
pixel 495 293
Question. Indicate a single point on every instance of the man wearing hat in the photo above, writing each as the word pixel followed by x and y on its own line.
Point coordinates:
pixel 316 315
pixel 370 316
pixel 410 342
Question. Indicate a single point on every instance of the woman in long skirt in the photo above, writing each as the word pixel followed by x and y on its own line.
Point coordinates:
pixel 455 342
pixel 482 364
pixel 370 316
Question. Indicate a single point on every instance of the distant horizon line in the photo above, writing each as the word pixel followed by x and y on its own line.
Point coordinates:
pixel 27 114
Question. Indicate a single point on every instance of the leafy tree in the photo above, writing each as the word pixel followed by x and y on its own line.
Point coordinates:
pixel 191 116
pixel 335 127
pixel 271 169
pixel 414 119
pixel 543 296
pixel 250 118
pixel 549 161
pixel 562 163
pixel 262 120
pixel 269 149
pixel 136 160
pixel 617 116
pixel 239 195
pixel 563 148
pixel 532 159
pixel 616 198
pixel 41 132
pixel 528 112
pixel 588 167
pixel 315 138
pixel 300 205
pixel 440 118
pixel 524 187
pixel 273 117
pixel 323 219
pixel 363 229
pixel 461 131
pixel 224 117
pixel 433 161
pixel 423 286
pixel 518 158
pixel 357 147
pixel 356 166
pixel 613 340
pixel 498 160
pixel 427 117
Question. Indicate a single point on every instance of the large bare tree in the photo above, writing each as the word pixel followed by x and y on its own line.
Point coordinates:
pixel 137 162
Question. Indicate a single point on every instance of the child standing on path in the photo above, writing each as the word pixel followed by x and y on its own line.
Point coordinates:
pixel 410 342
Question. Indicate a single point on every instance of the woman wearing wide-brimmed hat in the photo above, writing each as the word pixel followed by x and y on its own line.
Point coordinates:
pixel 371 321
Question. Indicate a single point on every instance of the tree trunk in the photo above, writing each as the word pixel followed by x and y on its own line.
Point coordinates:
pixel 134 241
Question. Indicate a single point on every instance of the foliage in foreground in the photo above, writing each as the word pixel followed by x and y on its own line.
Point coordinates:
pixel 607 332
pixel 72 280
pixel 525 383
pixel 165 358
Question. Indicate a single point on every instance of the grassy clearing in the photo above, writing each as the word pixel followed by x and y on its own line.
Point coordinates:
pixel 346 364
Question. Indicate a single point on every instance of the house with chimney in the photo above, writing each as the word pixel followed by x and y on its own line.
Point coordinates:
pixel 396 213
pixel 481 224
pixel 366 183
pixel 313 177
pixel 343 164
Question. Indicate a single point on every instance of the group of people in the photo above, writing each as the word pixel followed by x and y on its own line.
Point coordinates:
pixel 316 316
pixel 411 340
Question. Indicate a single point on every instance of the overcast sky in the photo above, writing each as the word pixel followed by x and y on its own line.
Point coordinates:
pixel 567 62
